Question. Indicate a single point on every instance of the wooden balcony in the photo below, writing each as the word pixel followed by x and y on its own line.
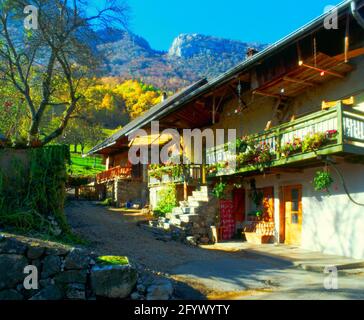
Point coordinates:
pixel 114 173
pixel 348 140
pixel 194 176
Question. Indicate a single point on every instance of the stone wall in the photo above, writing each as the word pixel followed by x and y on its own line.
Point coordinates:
pixel 62 272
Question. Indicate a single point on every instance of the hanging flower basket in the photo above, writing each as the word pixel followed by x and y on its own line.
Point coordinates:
pixel 323 181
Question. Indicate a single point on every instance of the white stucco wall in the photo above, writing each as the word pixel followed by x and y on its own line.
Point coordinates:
pixel 331 224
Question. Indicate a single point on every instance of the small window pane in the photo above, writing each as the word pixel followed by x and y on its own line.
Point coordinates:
pixel 294 218
pixel 295 199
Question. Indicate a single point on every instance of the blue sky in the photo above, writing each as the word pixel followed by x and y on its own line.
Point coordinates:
pixel 265 21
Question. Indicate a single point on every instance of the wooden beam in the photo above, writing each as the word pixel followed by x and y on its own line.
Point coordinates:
pixel 303 82
pixel 220 101
pixel 335 74
pixel 285 170
pixel 237 96
pixel 266 94
pixel 350 55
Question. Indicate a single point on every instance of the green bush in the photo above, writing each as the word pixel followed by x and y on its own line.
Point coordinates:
pixel 32 192
pixel 167 201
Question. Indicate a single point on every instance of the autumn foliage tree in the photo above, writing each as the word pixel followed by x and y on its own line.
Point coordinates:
pixel 46 65
pixel 138 97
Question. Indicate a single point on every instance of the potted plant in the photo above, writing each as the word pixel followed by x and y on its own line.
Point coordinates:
pixel 219 190
pixel 323 181
pixel 291 148
pixel 264 154
pixel 332 134
pixel 313 142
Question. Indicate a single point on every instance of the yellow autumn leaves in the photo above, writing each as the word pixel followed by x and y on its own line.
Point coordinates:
pixel 136 97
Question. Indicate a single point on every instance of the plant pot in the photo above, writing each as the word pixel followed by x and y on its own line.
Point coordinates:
pixel 254 238
pixel 214 235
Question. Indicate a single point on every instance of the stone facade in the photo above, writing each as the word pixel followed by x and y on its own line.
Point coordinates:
pixel 122 191
pixel 133 191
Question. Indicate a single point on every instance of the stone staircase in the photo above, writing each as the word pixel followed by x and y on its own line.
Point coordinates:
pixel 191 220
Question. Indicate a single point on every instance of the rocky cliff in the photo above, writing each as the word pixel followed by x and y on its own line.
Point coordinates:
pixel 191 57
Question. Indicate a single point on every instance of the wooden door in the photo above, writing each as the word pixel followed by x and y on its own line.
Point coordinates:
pixel 239 205
pixel 293 214
pixel 268 204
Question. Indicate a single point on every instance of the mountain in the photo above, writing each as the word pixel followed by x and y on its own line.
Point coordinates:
pixel 191 57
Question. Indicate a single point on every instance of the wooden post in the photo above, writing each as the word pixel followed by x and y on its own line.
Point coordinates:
pixel 340 125
pixel 347 43
pixel 185 191
pixel 213 109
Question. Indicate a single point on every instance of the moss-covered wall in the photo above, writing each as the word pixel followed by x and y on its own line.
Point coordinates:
pixel 32 189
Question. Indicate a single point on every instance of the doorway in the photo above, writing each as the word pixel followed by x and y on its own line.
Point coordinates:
pixel 291 215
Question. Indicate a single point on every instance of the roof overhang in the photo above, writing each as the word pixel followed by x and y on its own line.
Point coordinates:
pixel 203 87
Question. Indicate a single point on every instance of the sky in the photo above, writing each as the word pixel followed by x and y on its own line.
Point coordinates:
pixel 264 21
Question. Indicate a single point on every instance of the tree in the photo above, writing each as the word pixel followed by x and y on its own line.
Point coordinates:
pixel 47 65
pixel 137 96
pixel 12 112
pixel 82 133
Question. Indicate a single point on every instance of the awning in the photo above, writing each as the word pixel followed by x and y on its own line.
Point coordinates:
pixel 156 139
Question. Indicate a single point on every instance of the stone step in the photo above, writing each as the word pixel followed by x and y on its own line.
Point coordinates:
pixel 153 223
pixel 167 226
pixel 198 198
pixel 181 210
pixel 196 204
pixel 190 218
pixel 183 204
pixel 204 189
pixel 198 194
pixel 169 215
pixel 175 221
pixel 197 210
pixel 177 210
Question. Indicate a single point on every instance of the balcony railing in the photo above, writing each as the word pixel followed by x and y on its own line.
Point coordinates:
pixel 114 173
pixel 346 122
pixel 166 177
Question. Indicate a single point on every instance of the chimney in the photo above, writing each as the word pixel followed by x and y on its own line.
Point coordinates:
pixel 164 96
pixel 251 52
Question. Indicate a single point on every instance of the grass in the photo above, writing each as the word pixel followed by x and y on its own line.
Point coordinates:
pixel 88 166
pixel 113 260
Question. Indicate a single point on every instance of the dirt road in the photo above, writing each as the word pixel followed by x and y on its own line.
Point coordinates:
pixel 213 274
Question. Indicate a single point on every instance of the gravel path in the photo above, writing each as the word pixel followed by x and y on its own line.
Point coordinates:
pixel 114 232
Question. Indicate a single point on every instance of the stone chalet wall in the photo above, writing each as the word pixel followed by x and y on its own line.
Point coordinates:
pixel 63 272
pixel 130 190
